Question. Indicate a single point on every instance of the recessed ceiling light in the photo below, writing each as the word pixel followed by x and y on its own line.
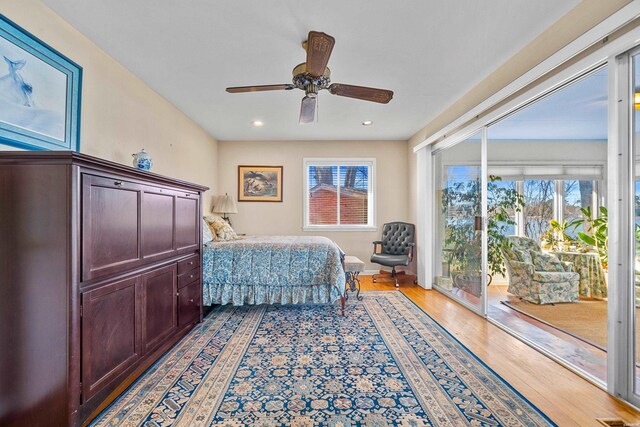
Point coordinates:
pixel 257 123
pixel 367 123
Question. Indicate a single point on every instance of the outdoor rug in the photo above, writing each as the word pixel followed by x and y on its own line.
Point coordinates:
pixel 386 363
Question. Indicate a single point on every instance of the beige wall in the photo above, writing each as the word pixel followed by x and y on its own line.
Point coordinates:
pixel 286 218
pixel 120 113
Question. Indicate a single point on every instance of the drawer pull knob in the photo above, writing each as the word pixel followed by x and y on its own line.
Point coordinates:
pixel 191 276
pixel 117 183
pixel 191 300
pixel 190 262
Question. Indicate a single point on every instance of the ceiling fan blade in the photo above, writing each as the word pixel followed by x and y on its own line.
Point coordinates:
pixel 382 96
pixel 240 89
pixel 308 110
pixel 319 47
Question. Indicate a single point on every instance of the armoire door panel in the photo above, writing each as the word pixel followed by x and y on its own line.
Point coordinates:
pixel 187 221
pixel 157 223
pixel 189 304
pixel 111 217
pixel 110 334
pixel 159 307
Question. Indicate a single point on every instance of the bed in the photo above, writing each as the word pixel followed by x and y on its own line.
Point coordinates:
pixel 273 270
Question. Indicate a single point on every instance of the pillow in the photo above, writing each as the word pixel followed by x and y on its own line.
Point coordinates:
pixel 223 231
pixel 207 236
pixel 546 262
pixel 211 218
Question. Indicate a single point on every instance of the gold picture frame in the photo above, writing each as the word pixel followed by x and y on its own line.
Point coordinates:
pixel 259 183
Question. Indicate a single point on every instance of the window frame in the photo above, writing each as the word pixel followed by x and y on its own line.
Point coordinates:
pixel 558 200
pixel 371 194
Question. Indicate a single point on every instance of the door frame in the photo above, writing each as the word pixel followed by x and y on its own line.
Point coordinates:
pixel 621 325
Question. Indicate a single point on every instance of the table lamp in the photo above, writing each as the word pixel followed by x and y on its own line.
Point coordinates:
pixel 225 205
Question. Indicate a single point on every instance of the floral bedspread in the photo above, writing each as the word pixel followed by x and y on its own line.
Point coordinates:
pixel 272 270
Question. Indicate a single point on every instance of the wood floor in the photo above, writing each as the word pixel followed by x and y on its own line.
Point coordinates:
pixel 565 397
pixel 590 359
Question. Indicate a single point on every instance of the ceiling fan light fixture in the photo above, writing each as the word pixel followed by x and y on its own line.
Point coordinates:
pixel 308 113
pixel 367 123
pixel 257 123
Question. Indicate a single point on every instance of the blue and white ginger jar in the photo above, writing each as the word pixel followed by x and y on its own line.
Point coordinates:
pixel 142 160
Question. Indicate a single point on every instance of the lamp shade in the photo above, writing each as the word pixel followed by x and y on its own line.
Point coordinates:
pixel 225 204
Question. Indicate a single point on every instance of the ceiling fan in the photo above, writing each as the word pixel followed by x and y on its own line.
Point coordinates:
pixel 313 76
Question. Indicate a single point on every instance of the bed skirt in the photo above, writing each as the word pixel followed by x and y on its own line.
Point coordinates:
pixel 265 294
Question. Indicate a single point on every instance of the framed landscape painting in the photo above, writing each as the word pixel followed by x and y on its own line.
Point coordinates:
pixel 39 93
pixel 259 183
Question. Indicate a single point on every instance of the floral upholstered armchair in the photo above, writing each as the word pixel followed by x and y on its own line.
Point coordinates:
pixel 538 277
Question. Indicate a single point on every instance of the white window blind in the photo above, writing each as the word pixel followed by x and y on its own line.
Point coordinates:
pixel 521 172
pixel 339 193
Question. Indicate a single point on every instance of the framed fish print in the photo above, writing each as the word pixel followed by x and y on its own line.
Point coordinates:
pixel 40 93
pixel 259 183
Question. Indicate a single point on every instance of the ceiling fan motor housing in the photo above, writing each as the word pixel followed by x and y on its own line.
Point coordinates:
pixel 308 83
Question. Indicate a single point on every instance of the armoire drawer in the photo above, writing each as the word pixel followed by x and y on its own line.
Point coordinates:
pixel 188 264
pixel 188 277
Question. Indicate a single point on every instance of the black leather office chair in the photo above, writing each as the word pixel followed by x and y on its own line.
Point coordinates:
pixel 396 247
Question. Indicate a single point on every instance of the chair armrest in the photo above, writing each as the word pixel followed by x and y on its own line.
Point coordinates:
pixel 411 249
pixel 377 247
pixel 568 266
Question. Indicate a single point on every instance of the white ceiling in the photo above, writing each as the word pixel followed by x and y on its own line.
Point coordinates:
pixel 429 52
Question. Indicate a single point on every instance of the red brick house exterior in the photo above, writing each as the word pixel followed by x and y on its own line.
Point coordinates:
pixel 323 203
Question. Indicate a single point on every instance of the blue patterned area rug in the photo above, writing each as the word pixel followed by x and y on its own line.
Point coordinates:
pixel 386 363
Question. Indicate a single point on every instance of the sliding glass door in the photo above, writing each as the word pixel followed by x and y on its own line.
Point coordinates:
pixel 565 155
pixel 545 163
pixel 460 267
pixel 517 219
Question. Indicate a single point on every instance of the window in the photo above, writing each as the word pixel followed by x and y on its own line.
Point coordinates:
pixel 578 195
pixel 539 196
pixel 339 194
pixel 544 198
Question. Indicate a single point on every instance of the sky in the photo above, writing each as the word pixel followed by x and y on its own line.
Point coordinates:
pixel 577 111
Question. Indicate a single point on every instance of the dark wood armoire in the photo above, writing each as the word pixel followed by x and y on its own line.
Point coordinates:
pixel 100 271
